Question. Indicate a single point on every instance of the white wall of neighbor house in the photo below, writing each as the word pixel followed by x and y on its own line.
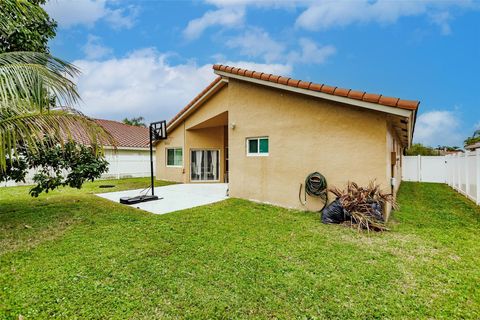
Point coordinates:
pixel 461 171
pixel 128 163
pixel 124 163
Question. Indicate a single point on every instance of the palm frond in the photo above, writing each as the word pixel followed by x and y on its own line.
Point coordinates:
pixel 31 76
pixel 27 128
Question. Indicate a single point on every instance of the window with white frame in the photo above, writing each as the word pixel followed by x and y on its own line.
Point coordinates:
pixel 174 157
pixel 257 146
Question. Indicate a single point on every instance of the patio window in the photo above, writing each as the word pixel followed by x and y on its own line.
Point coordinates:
pixel 257 146
pixel 174 157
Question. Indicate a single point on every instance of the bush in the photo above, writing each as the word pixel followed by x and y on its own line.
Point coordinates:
pixel 69 165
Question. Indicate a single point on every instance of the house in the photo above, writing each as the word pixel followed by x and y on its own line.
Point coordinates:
pixel 132 156
pixel 263 134
pixel 130 159
pixel 473 146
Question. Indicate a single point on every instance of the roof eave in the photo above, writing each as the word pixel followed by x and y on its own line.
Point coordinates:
pixel 359 103
pixel 197 103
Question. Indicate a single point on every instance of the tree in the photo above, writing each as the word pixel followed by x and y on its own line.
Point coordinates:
pixel 138 122
pixel 69 165
pixel 418 149
pixel 37 95
pixel 473 139
pixel 28 83
pixel 25 26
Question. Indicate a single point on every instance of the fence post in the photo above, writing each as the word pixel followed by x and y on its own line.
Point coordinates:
pixel 419 168
pixel 452 170
pixel 477 163
pixel 459 182
pixel 447 170
pixel 467 180
pixel 447 166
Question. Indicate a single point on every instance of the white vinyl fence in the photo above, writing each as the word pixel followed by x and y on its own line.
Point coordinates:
pixel 461 171
pixel 463 174
pixel 122 164
pixel 425 169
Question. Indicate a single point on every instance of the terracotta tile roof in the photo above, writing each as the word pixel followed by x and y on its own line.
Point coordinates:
pixel 337 91
pixel 126 136
pixel 204 91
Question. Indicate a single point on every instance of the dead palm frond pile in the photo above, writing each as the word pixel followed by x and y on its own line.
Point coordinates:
pixel 364 205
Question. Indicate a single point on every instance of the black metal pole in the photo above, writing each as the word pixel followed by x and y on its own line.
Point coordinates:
pixel 151 161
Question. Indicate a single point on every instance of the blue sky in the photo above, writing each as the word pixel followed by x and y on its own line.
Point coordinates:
pixel 149 58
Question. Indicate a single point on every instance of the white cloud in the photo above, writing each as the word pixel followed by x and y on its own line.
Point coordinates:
pixel 438 128
pixel 140 84
pixel 226 3
pixel 442 20
pixel 311 53
pixel 256 42
pixel 93 49
pixel 145 84
pixel 323 15
pixel 225 17
pixel 88 12
pixel 122 17
pixel 326 14
pixel 272 51
pixel 257 3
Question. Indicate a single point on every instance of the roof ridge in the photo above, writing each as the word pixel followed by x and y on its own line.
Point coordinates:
pixel 336 91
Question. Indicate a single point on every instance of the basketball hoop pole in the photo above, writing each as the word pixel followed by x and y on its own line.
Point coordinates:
pixel 157 131
pixel 151 160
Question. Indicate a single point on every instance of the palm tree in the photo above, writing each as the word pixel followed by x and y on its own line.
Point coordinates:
pixel 31 83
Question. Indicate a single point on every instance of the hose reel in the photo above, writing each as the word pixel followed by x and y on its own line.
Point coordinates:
pixel 315 186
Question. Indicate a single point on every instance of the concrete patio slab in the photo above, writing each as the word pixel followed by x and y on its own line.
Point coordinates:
pixel 175 197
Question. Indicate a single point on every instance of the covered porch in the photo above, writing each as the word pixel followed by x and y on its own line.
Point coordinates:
pixel 206 150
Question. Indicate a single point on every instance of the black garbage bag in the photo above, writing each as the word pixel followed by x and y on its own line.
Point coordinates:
pixel 334 213
pixel 377 211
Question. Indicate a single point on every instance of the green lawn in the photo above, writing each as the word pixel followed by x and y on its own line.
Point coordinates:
pixel 70 254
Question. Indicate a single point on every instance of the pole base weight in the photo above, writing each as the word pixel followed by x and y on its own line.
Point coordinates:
pixel 138 199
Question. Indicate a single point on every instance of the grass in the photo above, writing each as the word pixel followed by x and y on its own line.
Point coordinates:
pixel 70 254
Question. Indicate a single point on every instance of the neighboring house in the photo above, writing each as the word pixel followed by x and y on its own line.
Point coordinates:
pixel 130 159
pixel 473 146
pixel 265 133
pixel 447 152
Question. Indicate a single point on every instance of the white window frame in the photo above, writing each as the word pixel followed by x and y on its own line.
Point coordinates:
pixel 257 154
pixel 166 157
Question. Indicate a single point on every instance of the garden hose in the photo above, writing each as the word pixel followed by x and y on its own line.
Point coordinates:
pixel 315 186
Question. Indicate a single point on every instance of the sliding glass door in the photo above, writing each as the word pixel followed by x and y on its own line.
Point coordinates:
pixel 204 165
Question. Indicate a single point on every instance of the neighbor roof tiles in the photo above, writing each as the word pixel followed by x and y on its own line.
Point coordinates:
pixel 125 136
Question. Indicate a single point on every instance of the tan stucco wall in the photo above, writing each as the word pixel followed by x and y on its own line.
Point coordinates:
pixel 176 139
pixel 306 135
